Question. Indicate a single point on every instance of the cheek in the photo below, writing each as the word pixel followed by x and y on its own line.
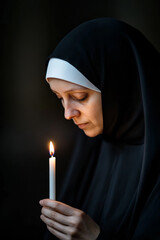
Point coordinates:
pixel 96 110
pixel 97 119
pixel 93 110
pixel 95 115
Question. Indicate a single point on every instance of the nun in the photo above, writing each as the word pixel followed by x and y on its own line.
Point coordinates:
pixel 106 75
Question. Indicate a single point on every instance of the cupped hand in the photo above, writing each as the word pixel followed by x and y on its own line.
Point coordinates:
pixel 66 222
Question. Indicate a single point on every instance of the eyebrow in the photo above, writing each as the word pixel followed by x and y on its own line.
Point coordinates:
pixel 70 90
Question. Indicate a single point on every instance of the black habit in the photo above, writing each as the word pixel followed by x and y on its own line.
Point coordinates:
pixel 115 177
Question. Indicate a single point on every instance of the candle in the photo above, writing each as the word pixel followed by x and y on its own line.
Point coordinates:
pixel 52 173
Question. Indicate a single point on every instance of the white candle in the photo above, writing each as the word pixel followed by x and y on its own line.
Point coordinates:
pixel 52 174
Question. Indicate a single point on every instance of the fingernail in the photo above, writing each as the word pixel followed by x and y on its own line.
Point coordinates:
pixel 41 202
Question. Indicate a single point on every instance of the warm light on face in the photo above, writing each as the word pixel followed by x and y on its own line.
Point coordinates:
pixel 82 105
pixel 51 148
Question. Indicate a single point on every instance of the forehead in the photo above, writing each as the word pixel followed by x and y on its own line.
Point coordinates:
pixel 59 85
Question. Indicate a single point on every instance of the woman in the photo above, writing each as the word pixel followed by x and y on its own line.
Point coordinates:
pixel 106 74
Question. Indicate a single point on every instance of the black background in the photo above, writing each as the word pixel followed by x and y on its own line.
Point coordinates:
pixel 31 115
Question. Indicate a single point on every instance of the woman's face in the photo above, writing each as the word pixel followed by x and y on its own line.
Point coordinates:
pixel 81 104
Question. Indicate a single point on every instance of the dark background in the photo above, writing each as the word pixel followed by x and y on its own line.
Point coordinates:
pixel 30 113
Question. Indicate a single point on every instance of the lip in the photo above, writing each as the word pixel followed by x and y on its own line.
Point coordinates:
pixel 82 125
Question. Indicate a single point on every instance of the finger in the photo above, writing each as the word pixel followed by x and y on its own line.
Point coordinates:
pixel 58 217
pixel 57 226
pixel 71 221
pixel 58 234
pixel 59 207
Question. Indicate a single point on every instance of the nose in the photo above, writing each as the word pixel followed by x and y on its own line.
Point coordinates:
pixel 70 112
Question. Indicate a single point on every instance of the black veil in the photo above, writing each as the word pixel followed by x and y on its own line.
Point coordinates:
pixel 115 177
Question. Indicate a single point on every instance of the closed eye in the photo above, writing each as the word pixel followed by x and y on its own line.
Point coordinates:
pixel 78 98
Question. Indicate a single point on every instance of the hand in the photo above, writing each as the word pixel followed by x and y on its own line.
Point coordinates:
pixel 66 222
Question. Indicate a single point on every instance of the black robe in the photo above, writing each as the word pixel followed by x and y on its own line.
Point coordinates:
pixel 115 177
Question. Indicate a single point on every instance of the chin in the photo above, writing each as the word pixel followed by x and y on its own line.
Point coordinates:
pixel 93 132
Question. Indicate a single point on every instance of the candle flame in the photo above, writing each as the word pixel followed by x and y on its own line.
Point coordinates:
pixel 51 148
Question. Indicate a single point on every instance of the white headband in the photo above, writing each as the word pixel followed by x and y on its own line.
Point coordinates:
pixel 58 68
